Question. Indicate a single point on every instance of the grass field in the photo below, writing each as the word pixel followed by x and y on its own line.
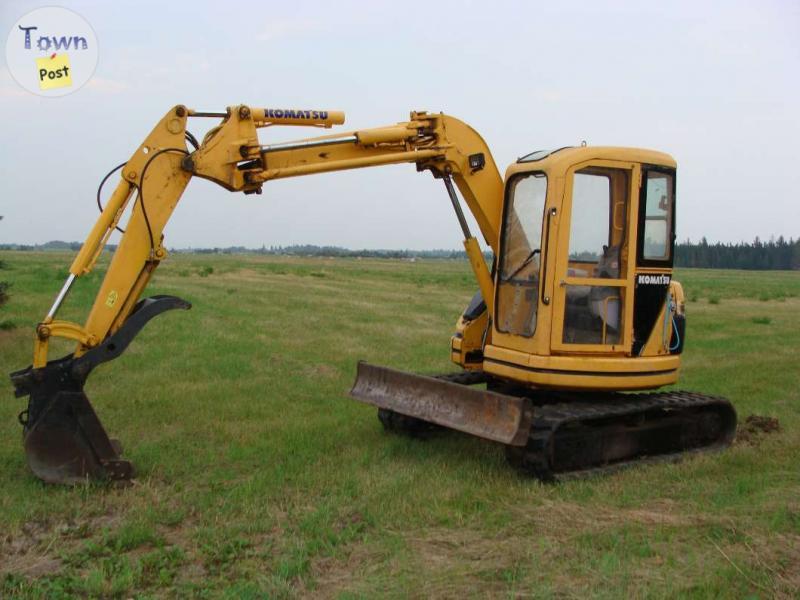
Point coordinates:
pixel 259 478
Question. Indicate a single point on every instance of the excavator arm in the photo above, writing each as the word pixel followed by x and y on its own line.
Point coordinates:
pixel 64 440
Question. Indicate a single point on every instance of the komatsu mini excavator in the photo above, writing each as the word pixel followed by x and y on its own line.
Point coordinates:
pixel 577 312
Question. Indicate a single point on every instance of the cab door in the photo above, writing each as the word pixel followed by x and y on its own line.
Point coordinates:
pixel 592 303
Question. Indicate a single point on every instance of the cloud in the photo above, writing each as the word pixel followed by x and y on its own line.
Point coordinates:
pixel 281 28
pixel 8 87
pixel 12 90
pixel 552 95
pixel 106 86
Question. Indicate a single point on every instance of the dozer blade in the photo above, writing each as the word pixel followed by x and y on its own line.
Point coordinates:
pixel 485 414
pixel 64 441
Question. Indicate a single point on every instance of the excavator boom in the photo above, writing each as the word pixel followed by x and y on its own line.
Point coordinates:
pixel 63 437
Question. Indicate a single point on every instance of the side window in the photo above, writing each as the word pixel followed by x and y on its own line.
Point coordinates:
pixel 593 312
pixel 597 224
pixel 591 200
pixel 656 226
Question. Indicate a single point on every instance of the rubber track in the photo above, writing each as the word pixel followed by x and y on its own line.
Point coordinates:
pixel 548 418
pixel 554 410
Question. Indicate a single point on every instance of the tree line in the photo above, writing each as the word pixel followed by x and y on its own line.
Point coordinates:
pixel 330 251
pixel 758 255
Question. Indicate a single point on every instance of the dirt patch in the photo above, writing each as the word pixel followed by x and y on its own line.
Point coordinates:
pixel 29 552
pixel 754 427
pixel 776 554
pixel 321 371
pixel 550 517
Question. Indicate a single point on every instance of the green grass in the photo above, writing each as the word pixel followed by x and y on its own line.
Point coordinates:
pixel 259 478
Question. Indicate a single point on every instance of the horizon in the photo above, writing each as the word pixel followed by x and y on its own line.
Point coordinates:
pixel 275 247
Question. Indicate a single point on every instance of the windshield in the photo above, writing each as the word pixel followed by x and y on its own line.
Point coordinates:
pixel 518 289
pixel 523 224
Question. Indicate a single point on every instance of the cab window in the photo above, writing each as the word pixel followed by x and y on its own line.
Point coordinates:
pixel 656 218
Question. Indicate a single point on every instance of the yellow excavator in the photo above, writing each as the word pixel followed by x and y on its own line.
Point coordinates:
pixel 577 314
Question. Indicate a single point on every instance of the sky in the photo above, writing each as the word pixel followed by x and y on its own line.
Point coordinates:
pixel 715 84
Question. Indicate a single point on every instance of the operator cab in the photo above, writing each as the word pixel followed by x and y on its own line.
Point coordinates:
pixel 584 269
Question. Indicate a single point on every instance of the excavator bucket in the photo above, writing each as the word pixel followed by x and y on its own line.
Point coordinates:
pixel 67 444
pixel 486 414
pixel 64 441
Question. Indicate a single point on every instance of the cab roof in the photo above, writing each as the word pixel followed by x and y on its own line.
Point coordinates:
pixel 561 159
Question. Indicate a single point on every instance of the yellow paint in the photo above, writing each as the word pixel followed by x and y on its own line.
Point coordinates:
pixel 112 298
pixel 62 329
pixel 481 271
